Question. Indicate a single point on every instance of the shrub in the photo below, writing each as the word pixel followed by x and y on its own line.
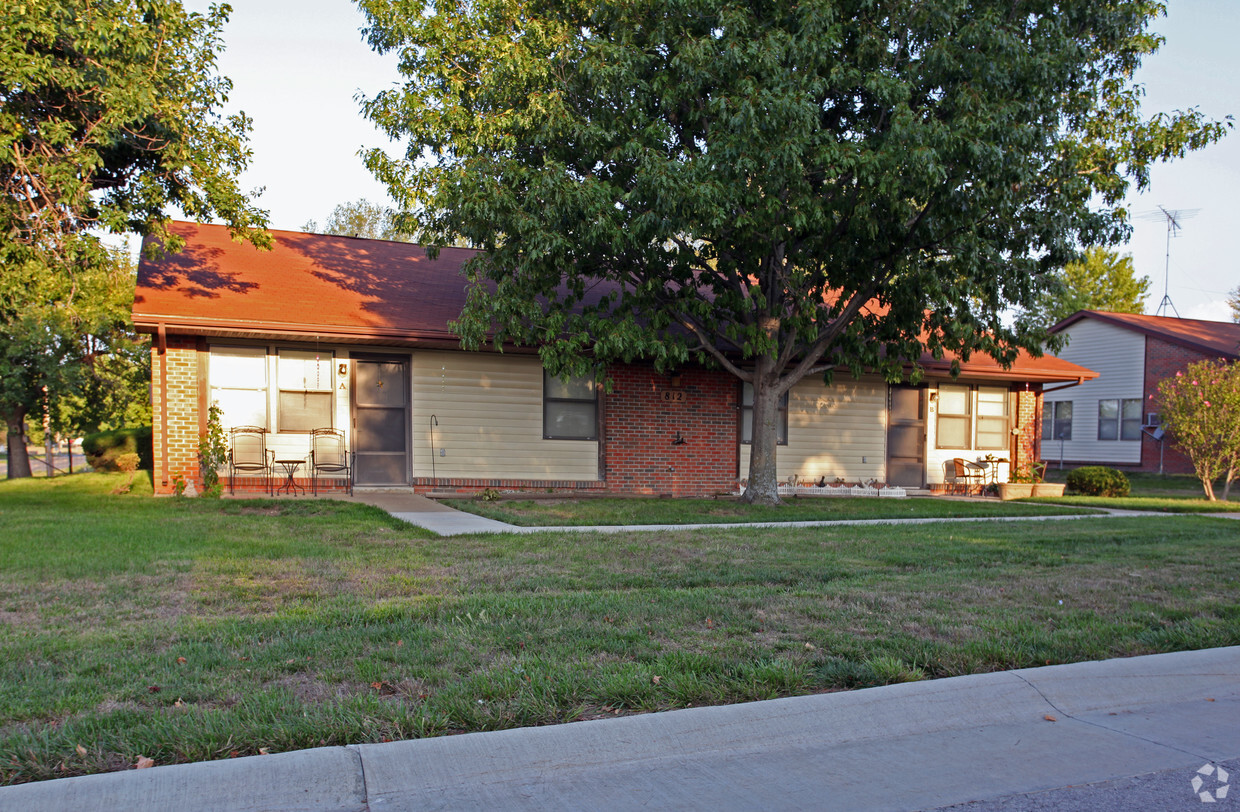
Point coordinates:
pixel 128 463
pixel 104 449
pixel 212 452
pixel 1098 480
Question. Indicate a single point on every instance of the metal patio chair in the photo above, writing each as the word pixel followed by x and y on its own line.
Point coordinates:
pixel 248 453
pixel 968 476
pixel 329 454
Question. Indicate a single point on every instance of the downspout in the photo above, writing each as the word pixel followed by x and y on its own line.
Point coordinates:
pixel 162 349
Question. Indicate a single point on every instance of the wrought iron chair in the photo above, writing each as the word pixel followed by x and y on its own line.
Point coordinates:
pixel 967 476
pixel 248 453
pixel 329 454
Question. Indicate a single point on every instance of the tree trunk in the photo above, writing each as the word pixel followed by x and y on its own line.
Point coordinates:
pixel 1207 485
pixel 19 460
pixel 763 487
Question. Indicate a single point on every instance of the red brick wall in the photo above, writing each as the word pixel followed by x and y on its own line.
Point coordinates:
pixel 1162 360
pixel 181 433
pixel 640 426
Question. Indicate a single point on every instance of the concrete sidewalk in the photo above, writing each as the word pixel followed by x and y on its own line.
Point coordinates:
pixel 445 521
pixel 912 746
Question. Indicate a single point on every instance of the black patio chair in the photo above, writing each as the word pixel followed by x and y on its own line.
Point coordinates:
pixel 248 453
pixel 329 454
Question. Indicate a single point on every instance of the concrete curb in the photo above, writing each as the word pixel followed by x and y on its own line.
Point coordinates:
pixel 924 744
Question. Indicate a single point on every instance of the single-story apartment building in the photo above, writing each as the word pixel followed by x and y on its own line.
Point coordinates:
pixel 1113 419
pixel 352 334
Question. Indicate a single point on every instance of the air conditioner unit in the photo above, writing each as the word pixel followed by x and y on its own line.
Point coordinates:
pixel 1152 419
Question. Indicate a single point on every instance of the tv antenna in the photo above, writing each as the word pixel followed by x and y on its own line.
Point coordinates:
pixel 1174 218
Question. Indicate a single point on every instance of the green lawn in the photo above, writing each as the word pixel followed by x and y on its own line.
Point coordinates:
pixel 196 629
pixel 1169 493
pixel 569 512
pixel 1151 503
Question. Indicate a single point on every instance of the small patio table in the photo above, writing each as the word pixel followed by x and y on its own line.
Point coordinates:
pixel 290 485
pixel 987 469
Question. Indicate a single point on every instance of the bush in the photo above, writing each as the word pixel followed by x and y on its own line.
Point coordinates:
pixel 1098 480
pixel 104 450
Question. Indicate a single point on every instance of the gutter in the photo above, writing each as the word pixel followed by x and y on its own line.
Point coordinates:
pixel 1079 381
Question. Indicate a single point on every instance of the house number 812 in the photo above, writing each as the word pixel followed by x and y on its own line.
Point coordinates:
pixel 670 396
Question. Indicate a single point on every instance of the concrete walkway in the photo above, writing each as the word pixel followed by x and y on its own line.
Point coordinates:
pixel 445 521
pixel 984 738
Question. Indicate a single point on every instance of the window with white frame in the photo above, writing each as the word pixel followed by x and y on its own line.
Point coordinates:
pixel 955 416
pixel 306 396
pixel 570 408
pixel 993 427
pixel 1057 420
pixel 238 378
pixel 1119 419
pixel 781 417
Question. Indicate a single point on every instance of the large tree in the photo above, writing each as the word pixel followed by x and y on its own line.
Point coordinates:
pixel 1101 280
pixel 59 337
pixel 782 189
pixel 109 115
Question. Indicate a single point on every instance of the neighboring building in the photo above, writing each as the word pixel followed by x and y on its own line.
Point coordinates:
pixel 1112 420
pixel 352 334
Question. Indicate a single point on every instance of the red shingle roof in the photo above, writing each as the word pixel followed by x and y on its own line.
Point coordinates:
pixel 357 290
pixel 308 284
pixel 1219 338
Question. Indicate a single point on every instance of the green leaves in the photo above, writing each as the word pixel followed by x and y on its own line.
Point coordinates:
pixel 1200 408
pixel 110 116
pixel 1101 280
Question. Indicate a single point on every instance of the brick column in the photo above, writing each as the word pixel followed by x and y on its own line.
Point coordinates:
pixel 181 431
pixel 1026 445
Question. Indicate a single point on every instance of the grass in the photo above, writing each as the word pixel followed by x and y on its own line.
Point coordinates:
pixel 194 629
pixel 569 512
pixel 1150 503
pixel 1161 493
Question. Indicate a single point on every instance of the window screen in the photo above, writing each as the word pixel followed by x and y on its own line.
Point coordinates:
pixel 992 418
pixel 570 408
pixel 239 385
pixel 953 421
pixel 305 398
pixel 781 425
pixel 1057 420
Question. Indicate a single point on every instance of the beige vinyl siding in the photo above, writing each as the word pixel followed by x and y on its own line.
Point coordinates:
pixel 490 414
pixel 1118 356
pixel 833 431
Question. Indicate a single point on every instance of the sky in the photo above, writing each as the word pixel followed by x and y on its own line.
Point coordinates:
pixel 297 67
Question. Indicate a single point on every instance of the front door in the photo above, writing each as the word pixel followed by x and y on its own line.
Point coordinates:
pixel 906 436
pixel 381 420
